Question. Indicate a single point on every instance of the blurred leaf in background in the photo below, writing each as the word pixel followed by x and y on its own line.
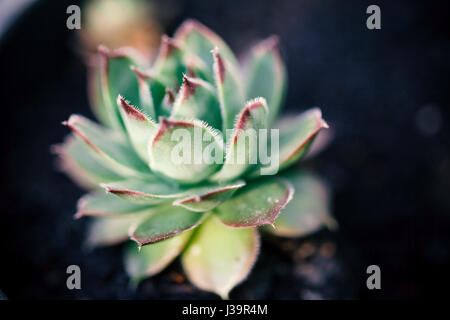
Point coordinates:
pixel 120 23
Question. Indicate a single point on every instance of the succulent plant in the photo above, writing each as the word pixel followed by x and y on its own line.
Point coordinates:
pixel 209 212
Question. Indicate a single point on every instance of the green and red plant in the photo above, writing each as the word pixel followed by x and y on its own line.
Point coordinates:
pixel 210 213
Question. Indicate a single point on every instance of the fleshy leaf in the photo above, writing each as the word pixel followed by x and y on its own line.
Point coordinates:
pixel 266 75
pixel 165 223
pixel 167 103
pixel 207 198
pixel 111 148
pixel 149 191
pixel 197 100
pixel 322 140
pixel 229 90
pixel 308 210
pixel 199 40
pixel 117 78
pixel 218 257
pixel 80 164
pixel 103 204
pixel 95 93
pixel 256 204
pixel 150 260
pixel 140 127
pixel 242 146
pixel 169 66
pixel 296 135
pixel 151 92
pixel 186 151
pixel 105 231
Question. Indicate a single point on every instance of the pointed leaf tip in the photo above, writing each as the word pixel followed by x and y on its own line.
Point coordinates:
pixel 269 44
pixel 143 75
pixel 219 65
pixel 197 99
pixel 72 123
pixel 170 96
pixel 168 45
pixel 130 111
pixel 140 127
pixel 188 87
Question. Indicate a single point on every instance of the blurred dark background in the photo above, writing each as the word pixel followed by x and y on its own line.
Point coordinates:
pixel 384 92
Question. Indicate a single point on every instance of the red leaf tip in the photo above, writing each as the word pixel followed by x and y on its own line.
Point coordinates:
pixel 168 46
pixel 321 123
pixel 219 65
pixel 130 111
pixel 188 87
pixel 140 73
pixel 257 103
pixel 271 43
pixel 186 27
pixel 246 112
pixel 170 96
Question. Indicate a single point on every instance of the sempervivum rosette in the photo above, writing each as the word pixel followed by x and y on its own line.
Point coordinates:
pixel 185 156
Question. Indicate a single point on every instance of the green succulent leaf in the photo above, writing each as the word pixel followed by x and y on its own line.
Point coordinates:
pixel 207 198
pixel 150 260
pixel 242 146
pixel 186 151
pixel 266 75
pixel 296 135
pixel 308 210
pixel 197 100
pixel 165 223
pixel 105 231
pixel 110 148
pixel 169 66
pixel 171 184
pixel 199 40
pixel 167 102
pixel 77 161
pixel 100 204
pixel 256 204
pixel 149 192
pixel 218 257
pixel 151 92
pixel 140 128
pixel 117 78
pixel 229 90
pixel 95 94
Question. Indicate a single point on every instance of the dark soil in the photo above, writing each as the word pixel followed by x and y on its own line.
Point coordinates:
pixel 390 172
